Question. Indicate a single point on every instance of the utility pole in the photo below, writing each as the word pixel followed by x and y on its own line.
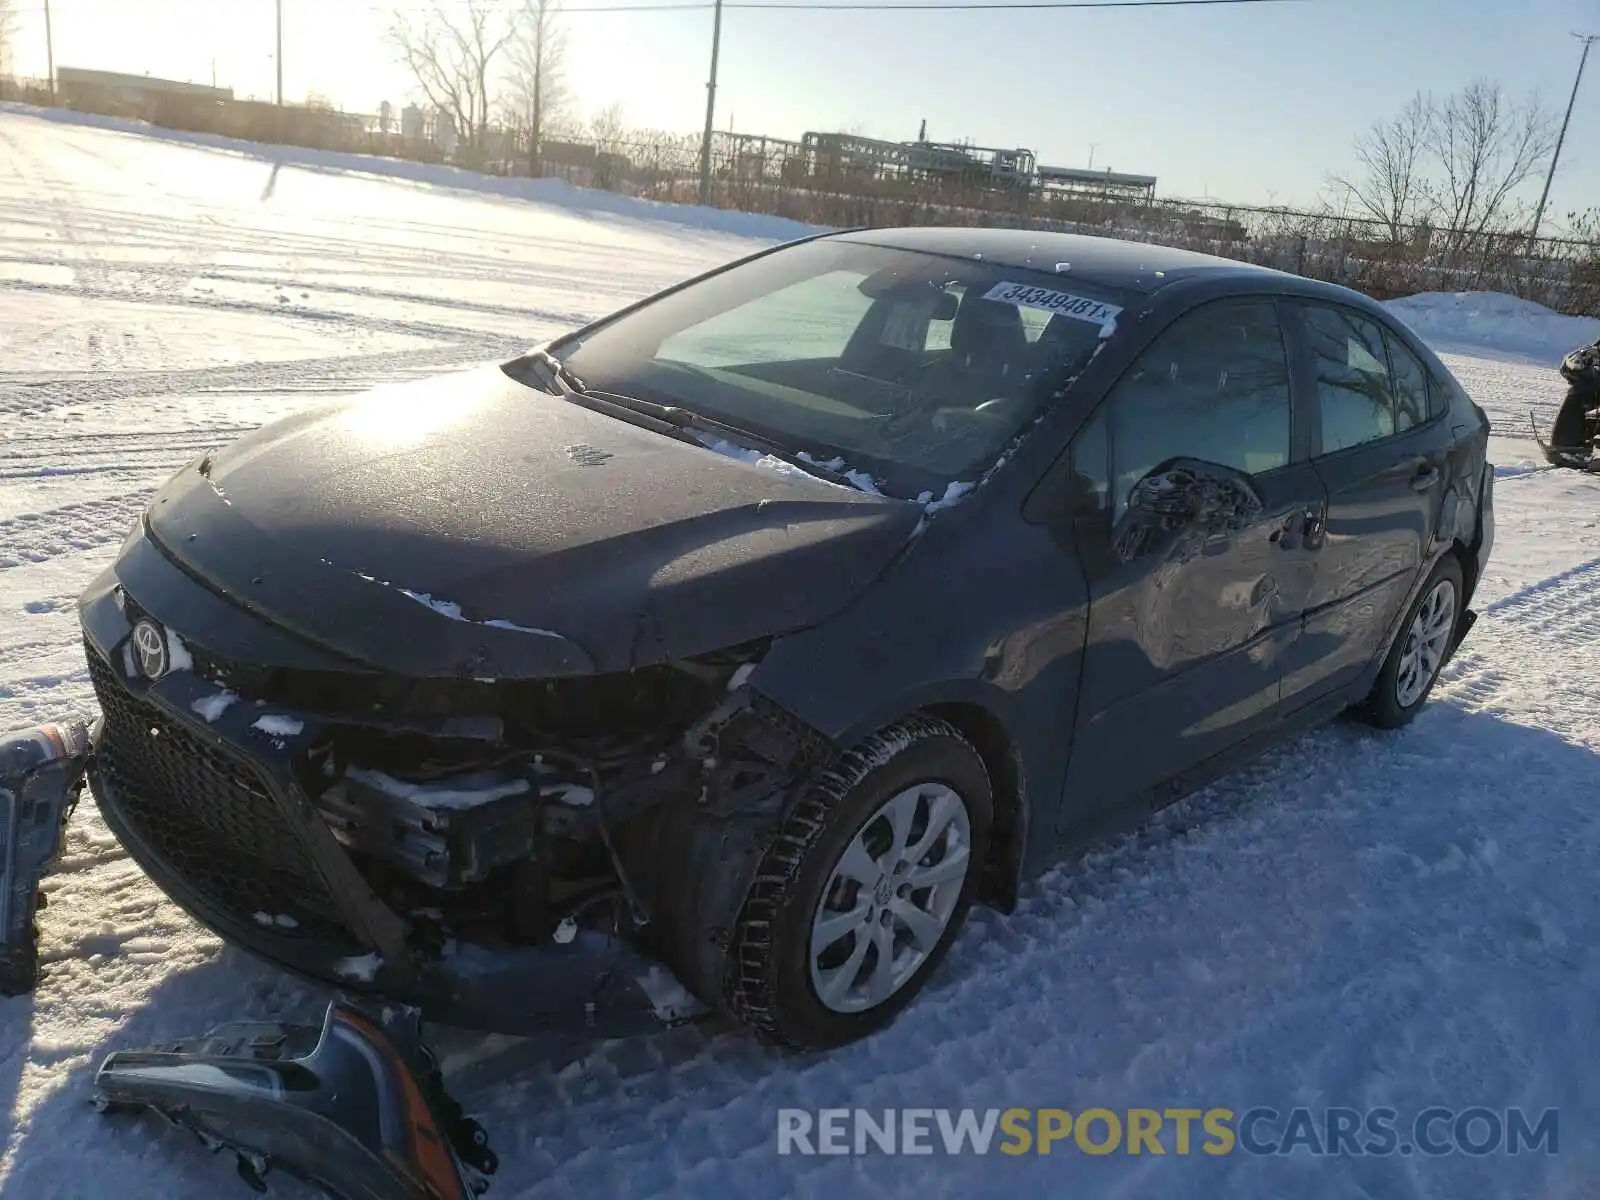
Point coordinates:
pixel 278 58
pixel 711 107
pixel 1588 39
pixel 49 53
pixel 534 157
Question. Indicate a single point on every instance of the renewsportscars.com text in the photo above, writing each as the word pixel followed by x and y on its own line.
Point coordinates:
pixel 1181 1131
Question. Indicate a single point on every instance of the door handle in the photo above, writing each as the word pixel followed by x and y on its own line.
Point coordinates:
pixel 1299 529
pixel 1424 479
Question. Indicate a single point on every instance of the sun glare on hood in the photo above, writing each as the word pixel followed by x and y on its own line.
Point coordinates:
pixel 397 418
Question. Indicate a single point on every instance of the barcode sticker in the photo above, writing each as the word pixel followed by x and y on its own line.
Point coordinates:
pixel 1082 308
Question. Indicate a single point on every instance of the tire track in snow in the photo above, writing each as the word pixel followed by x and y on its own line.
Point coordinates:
pixel 84 525
pixel 1552 620
pixel 24 652
pixel 1556 590
pixel 448 334
pixel 335 375
pixel 135 453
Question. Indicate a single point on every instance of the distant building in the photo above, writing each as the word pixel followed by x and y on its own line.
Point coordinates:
pixel 413 123
pixel 104 89
pixel 445 135
pixel 1109 185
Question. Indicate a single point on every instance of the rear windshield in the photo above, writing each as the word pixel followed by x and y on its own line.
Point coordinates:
pixel 918 368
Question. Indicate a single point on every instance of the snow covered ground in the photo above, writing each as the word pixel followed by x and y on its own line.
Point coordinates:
pixel 1358 920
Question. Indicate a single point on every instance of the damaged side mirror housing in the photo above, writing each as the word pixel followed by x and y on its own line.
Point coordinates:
pixel 1180 498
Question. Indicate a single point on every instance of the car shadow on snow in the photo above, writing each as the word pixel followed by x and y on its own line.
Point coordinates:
pixel 1357 919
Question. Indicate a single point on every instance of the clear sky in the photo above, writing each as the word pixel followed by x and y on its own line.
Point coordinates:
pixel 1248 104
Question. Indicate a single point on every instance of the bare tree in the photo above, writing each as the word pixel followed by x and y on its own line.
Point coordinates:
pixel 1485 147
pixel 539 92
pixel 608 130
pixel 452 54
pixel 1392 186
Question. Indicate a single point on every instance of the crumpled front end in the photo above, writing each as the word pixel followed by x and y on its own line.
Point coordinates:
pixel 489 850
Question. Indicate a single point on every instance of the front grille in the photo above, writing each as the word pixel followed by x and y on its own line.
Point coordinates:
pixel 209 817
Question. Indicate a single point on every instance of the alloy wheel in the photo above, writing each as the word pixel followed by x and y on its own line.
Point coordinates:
pixel 1427 640
pixel 890 897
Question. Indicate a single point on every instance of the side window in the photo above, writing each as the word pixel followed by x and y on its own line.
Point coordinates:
pixel 1438 398
pixel 1090 462
pixel 1213 386
pixel 1410 385
pixel 1354 391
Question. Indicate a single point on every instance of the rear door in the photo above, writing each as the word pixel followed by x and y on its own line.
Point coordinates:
pixel 1182 657
pixel 1383 459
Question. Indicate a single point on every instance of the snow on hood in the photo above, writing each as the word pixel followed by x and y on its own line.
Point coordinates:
pixel 953 493
pixel 451 610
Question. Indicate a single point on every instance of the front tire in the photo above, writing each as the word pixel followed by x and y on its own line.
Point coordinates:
pixel 1419 653
pixel 864 888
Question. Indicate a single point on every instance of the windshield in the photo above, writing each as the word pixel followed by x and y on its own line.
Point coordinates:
pixel 916 368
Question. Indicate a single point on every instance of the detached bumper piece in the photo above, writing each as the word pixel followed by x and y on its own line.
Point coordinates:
pixel 41 777
pixel 357 1107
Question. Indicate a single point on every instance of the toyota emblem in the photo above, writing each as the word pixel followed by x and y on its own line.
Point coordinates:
pixel 150 649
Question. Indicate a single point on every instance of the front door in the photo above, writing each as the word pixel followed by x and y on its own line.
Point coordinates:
pixel 1186 630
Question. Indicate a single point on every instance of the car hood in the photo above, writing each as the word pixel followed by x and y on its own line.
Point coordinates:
pixel 468 525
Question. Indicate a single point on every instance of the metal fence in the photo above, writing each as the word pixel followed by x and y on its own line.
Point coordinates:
pixel 756 173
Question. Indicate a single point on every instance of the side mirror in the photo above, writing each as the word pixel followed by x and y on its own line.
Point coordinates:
pixel 1182 498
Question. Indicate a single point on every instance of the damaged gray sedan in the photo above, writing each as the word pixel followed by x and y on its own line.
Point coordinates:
pixel 722 654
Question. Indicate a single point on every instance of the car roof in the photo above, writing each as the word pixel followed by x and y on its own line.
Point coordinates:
pixel 1131 266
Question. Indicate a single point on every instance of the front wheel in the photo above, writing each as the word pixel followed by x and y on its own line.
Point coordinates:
pixel 863 890
pixel 1419 653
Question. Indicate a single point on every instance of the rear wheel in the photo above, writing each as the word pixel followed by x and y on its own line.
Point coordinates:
pixel 865 887
pixel 1419 653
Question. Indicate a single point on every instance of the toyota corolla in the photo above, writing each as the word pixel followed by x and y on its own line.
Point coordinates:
pixel 724 652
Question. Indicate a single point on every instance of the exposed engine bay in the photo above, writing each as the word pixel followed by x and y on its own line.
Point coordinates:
pixel 512 827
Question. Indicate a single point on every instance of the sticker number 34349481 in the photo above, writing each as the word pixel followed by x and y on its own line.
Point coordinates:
pixel 1081 307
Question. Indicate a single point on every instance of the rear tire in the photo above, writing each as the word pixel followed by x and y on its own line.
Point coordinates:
pixel 1419 652
pixel 836 936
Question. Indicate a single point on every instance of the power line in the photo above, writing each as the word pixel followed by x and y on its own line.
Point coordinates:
pixel 979 5
pixel 887 6
pixel 851 6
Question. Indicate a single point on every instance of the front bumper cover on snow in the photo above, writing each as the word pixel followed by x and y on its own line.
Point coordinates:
pixel 356 1107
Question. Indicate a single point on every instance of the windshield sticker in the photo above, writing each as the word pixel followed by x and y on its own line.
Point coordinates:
pixel 1081 308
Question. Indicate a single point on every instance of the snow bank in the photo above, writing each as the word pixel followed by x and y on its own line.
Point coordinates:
pixel 1494 321
pixel 555 192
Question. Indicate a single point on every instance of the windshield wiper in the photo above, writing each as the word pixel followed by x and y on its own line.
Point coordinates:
pixel 556 373
pixel 683 421
pixel 671 414
pixel 689 421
